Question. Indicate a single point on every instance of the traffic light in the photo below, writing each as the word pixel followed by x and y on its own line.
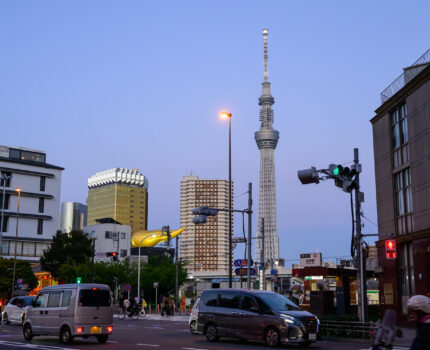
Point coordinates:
pixel 308 176
pixel 390 249
pixel 344 178
pixel 78 279
pixel 202 214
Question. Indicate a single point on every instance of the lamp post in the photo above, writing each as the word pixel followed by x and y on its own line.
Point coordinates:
pixel 3 179
pixel 230 235
pixel 138 265
pixel 16 243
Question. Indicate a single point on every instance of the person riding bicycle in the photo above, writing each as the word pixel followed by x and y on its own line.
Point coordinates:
pixel 419 311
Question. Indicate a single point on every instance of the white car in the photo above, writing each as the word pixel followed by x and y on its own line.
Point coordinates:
pixel 192 322
pixel 14 311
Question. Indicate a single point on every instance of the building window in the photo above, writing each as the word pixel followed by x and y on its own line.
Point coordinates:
pixel 42 183
pixel 406 274
pixel 40 226
pixel 108 234
pixel 399 134
pixel 403 196
pixel 41 205
pixel 5 179
pixel 6 201
pixel 122 235
pixel 123 253
pixel 27 155
pixel 5 220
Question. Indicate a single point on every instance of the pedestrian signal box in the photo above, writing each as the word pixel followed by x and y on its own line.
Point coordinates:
pixel 390 249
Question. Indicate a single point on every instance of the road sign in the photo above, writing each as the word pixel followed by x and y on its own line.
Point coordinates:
pixel 272 271
pixel 244 271
pixel 127 287
pixel 155 285
pixel 242 262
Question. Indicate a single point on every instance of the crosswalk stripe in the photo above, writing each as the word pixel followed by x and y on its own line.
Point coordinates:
pixel 33 346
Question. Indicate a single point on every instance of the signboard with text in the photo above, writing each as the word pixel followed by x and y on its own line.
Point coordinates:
pixel 310 259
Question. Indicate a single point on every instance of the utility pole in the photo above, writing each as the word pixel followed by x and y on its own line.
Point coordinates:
pixel 177 272
pixel 262 257
pixel 249 234
pixel 360 259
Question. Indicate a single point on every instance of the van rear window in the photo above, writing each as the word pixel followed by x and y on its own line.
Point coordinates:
pixel 94 297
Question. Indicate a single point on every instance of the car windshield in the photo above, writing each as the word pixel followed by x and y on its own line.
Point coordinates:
pixel 28 300
pixel 277 302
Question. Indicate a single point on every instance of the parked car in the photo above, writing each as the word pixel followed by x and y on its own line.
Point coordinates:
pixel 71 310
pixel 192 322
pixel 14 311
pixel 254 315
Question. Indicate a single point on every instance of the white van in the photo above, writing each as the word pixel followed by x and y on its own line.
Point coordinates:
pixel 71 310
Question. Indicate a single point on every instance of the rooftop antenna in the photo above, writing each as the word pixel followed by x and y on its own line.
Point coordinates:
pixel 266 73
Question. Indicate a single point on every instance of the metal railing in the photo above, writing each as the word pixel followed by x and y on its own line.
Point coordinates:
pixel 348 329
pixel 400 81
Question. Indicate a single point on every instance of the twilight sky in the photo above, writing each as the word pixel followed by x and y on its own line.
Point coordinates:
pixel 139 84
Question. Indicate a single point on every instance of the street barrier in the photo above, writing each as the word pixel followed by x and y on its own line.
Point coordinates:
pixel 348 329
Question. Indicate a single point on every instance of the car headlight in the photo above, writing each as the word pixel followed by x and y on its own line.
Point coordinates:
pixel 291 320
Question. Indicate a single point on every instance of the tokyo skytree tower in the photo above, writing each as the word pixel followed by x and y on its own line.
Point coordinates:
pixel 267 139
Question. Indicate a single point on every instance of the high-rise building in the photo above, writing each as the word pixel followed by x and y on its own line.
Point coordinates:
pixel 204 247
pixel 401 144
pixel 267 139
pixel 73 216
pixel 39 202
pixel 120 194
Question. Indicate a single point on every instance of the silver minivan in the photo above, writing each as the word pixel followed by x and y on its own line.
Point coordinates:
pixel 71 310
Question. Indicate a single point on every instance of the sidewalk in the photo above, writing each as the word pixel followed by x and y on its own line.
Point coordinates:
pixel 176 318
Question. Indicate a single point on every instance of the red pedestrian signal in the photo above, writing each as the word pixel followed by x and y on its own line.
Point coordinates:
pixel 114 255
pixel 390 249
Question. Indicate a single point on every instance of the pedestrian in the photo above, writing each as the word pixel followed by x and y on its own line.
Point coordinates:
pixel 163 306
pixel 301 297
pixel 419 312
pixel 182 309
pixel 171 306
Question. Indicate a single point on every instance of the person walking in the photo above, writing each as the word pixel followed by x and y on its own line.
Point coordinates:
pixel 301 298
pixel 419 312
pixel 163 306
pixel 182 308
pixel 171 306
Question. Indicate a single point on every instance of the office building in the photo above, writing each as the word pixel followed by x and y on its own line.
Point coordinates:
pixel 120 194
pixel 204 247
pixel 267 140
pixel 401 141
pixel 73 216
pixel 39 202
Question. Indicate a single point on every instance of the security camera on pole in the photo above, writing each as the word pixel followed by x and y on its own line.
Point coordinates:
pixel 348 180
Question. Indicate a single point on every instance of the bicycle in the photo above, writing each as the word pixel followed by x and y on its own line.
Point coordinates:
pixel 135 313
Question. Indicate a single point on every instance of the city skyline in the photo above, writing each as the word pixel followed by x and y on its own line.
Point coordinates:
pixel 117 88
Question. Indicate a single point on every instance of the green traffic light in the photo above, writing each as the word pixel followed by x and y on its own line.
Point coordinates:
pixel 336 171
pixel 78 279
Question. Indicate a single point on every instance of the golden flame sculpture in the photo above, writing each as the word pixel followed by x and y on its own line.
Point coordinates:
pixel 152 238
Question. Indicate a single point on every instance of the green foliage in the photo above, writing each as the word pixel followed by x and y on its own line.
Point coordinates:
pixel 23 270
pixel 67 252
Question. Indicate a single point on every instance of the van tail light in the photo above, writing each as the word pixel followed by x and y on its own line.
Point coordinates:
pixel 197 314
pixel 79 330
pixel 109 329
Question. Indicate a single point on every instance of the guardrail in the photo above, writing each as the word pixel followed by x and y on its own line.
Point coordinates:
pixel 348 329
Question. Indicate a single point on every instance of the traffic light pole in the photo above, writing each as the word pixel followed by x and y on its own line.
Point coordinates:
pixel 361 263
pixel 249 234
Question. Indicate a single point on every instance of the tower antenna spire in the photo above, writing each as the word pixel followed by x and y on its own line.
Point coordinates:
pixel 266 73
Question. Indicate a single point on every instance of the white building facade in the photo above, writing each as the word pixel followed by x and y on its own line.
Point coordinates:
pixel 110 238
pixel 204 247
pixel 39 202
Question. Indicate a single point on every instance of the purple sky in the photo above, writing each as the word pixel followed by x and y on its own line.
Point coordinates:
pixel 139 84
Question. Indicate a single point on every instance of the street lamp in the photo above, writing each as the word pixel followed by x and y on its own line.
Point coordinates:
pixel 3 179
pixel 226 115
pixel 16 243
pixel 138 265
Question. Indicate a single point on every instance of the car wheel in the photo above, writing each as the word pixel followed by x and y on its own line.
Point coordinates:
pixel 28 333
pixel 211 333
pixel 102 338
pixel 66 335
pixel 5 319
pixel 271 336
pixel 193 327
pixel 305 344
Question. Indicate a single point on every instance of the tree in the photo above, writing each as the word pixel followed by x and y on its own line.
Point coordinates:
pixel 71 249
pixel 23 270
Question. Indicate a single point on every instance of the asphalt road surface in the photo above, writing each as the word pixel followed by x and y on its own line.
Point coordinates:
pixel 146 334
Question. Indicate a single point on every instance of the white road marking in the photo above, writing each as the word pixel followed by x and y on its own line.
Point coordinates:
pixel 153 345
pixel 193 349
pixel 395 348
pixel 112 341
pixel 33 346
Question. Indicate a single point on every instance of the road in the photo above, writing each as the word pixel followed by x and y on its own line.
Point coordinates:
pixel 155 333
